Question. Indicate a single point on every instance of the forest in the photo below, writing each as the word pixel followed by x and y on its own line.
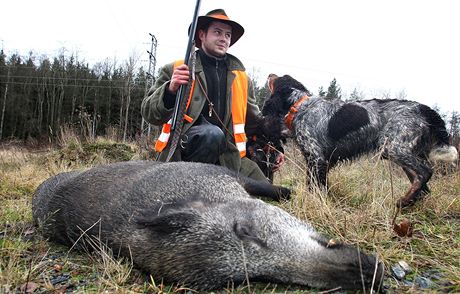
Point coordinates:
pixel 41 94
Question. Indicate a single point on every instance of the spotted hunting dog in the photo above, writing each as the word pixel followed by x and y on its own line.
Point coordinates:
pixel 330 130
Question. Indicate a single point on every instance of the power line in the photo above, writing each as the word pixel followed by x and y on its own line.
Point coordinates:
pixel 76 86
pixel 255 60
pixel 66 79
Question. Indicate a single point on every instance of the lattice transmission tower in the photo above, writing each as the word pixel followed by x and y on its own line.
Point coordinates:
pixel 150 80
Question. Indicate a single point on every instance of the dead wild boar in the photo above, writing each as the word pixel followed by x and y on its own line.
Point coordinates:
pixel 196 225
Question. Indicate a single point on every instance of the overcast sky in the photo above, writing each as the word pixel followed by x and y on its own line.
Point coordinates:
pixel 390 46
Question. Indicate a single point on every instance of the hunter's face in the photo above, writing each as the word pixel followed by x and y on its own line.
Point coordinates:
pixel 216 40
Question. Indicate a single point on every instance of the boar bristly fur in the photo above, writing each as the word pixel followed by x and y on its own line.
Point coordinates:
pixel 195 225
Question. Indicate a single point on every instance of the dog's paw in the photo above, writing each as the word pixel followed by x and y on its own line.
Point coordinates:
pixel 405 202
pixel 284 193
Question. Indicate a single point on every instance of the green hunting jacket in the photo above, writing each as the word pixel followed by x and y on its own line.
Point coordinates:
pixel 154 111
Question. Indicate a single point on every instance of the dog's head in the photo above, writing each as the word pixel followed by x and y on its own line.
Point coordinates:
pixel 261 152
pixel 285 91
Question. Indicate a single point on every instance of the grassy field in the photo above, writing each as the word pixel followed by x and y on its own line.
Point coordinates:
pixel 359 208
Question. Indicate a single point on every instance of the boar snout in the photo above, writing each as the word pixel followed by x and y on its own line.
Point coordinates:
pixel 349 268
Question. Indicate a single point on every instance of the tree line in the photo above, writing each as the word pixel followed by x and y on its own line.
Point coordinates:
pixel 39 95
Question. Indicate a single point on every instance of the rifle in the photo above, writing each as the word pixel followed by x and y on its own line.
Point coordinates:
pixel 181 96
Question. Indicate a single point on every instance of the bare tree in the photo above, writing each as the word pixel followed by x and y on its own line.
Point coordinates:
pixel 356 95
pixel 454 122
pixel 401 95
pixel 4 103
pixel 128 87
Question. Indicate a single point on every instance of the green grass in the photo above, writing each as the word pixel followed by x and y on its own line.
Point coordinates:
pixel 359 208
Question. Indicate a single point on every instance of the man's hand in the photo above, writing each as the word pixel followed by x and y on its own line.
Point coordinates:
pixel 179 77
pixel 279 161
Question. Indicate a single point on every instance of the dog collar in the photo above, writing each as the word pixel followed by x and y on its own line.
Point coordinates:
pixel 292 111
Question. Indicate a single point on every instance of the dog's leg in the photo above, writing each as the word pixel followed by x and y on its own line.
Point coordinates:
pixel 317 169
pixel 315 158
pixel 419 172
pixel 321 172
pixel 411 176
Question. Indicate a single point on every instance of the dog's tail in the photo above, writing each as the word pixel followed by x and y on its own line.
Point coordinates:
pixel 442 151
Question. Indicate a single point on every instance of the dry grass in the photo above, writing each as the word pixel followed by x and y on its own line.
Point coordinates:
pixel 27 262
pixel 358 208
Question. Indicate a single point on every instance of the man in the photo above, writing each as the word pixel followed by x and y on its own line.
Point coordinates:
pixel 221 110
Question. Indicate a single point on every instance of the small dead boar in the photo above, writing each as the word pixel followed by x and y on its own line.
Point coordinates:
pixel 196 225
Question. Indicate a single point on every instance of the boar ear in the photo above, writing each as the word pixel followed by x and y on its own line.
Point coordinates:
pixel 169 222
pixel 245 232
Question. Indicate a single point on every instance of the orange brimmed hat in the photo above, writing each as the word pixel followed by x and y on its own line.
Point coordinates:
pixel 218 15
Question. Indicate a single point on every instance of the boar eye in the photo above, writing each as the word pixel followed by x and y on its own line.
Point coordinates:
pixel 246 233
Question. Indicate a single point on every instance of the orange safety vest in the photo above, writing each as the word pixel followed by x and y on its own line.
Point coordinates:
pixel 239 109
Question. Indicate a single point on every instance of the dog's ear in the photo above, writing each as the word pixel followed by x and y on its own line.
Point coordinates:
pixel 273 106
pixel 288 82
pixel 271 80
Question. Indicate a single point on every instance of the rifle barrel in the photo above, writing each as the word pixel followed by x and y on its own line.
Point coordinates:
pixel 190 44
